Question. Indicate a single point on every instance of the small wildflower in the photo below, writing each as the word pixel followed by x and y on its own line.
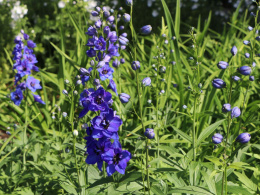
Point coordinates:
pixel 184 107
pixel 217 138
pixel 149 133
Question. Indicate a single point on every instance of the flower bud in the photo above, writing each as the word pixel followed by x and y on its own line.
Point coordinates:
pixel 173 63
pixel 146 81
pixel 222 65
pixel 124 98
pixel 75 92
pixel 122 60
pixel 149 133
pixel 116 63
pixel 253 64
pixel 84 126
pixel 234 50
pixel 75 132
pixel 258 38
pixel 96 82
pixel 124 34
pixel 106 14
pixel 98 23
pixel 129 2
pixel 246 42
pixel 184 107
pixel 67 150
pixel 126 17
pixel 64 114
pixel 226 108
pixel 83 71
pixel 66 81
pixel 162 91
pixel 236 78
pixel 123 40
pixel 166 42
pixel 235 112
pixel 135 65
pixel 243 138
pixel 245 70
pixel 149 101
pixel 218 83
pixel 247 55
pixel 146 29
pixel 92 63
pixel 162 69
pixel 110 18
pixel 121 27
pixel 65 92
pixel 94 13
pixel 217 138
pixel 251 78
pixel 98 9
pixel 101 64
pixel 250 28
pixel 78 82
pixel 200 85
pixel 106 30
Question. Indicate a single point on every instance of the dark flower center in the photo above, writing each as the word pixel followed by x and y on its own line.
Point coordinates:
pixel 106 124
pixel 116 158
pixel 99 100
pixel 104 72
pixel 24 68
pixel 32 84
pixel 17 97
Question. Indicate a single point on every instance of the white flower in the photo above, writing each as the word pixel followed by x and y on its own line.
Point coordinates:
pixel 61 4
pixel 18 11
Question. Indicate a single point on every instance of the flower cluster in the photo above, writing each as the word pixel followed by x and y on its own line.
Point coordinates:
pixel 24 64
pixel 104 47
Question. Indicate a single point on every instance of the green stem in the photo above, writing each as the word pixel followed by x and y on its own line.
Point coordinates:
pixel 194 137
pixel 141 116
pixel 75 154
pixel 25 129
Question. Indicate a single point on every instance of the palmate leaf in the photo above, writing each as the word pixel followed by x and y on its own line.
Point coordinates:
pixel 191 190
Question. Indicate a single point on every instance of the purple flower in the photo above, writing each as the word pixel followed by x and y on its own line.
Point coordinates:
pixel 111 19
pixel 26 50
pixel 30 58
pixel 217 138
pixel 112 36
pixel 85 77
pixel 222 65
pixel 149 133
pixel 100 44
pixel 33 84
pixel 38 98
pixel 146 29
pixel 91 31
pixel 236 78
pixel 112 85
pixel 129 2
pixel 235 112
pixel 245 70
pixel 116 63
pixel 31 44
pixel 17 78
pixel 234 50
pixel 91 41
pixel 123 40
pixel 146 81
pixel 122 60
pixel 98 23
pixel 135 65
pixel 226 108
pixel 17 96
pixel 94 13
pixel 91 53
pixel 106 125
pixel 21 86
pixel 106 14
pixel 124 98
pixel 106 72
pixel 117 161
pixel 218 83
pixel 126 17
pixel 106 30
pixel 112 50
pixel 251 78
pixel 243 138
pixel 24 68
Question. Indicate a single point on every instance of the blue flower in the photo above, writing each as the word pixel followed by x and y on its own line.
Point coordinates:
pixel 236 78
pixel 106 30
pixel 135 65
pixel 126 17
pixel 33 84
pixel 17 96
pixel 112 85
pixel 218 83
pixel 30 58
pixel 222 65
pixel 235 112
pixel 146 81
pixel 124 98
pixel 100 44
pixel 123 40
pixel 112 36
pixel 112 50
pixel 234 50
pixel 117 160
pixel 243 138
pixel 146 29
pixel 226 108
pixel 38 98
pixel 251 78
pixel 217 138
pixel 91 52
pixel 116 63
pixel 31 44
pixel 24 68
pixel 149 133
pixel 106 124
pixel 105 72
pixel 245 70
pixel 91 31
pixel 85 77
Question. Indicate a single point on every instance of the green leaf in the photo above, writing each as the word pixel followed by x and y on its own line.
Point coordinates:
pixel 68 188
pixel 191 190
